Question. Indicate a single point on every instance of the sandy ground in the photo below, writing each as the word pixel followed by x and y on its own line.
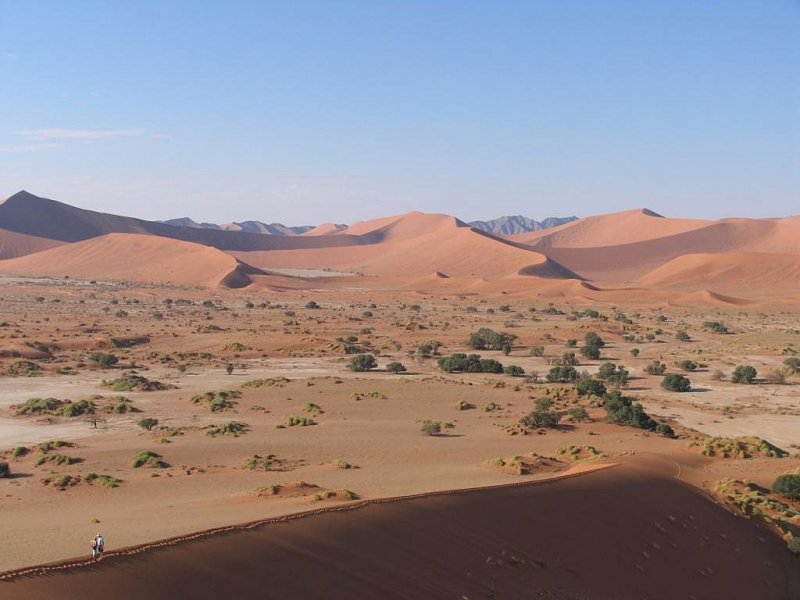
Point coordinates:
pixel 370 420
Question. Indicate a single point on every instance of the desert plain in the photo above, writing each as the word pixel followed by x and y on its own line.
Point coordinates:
pixel 160 381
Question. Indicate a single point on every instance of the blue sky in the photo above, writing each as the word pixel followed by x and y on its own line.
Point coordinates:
pixel 304 112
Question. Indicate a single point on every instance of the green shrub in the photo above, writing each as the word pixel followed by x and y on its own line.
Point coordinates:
pixel 488 339
pixel 562 374
pixel 744 374
pixel 300 422
pixel 541 418
pixel 792 364
pixel 656 368
pixel 788 486
pixel 104 359
pixel 665 430
pixel 537 351
pixel 259 463
pixel 312 305
pixel 39 406
pixel 676 383
pixel 578 413
pixel 794 545
pixel 592 339
pixel 464 405
pixel 623 411
pixel 396 367
pixel 5 470
pixel 431 427
pixel 362 362
pixel 590 387
pixel 53 445
pixel 104 480
pixel 716 327
pixel 682 336
pixel 613 374
pixel 147 458
pixel 469 364
pixel 514 371
pixel 148 423
pixel 20 451
pixel 313 409
pixel 232 428
pixel 591 352
pixel 217 401
pixel 76 409
pixel 56 459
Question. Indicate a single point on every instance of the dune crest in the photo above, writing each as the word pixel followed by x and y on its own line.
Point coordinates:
pixel 134 257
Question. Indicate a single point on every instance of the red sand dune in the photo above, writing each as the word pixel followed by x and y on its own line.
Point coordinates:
pixel 132 257
pixel 632 531
pixel 750 272
pixel 13 244
pixel 415 245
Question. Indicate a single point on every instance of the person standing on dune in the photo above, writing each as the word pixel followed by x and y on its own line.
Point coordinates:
pixel 93 544
pixel 101 543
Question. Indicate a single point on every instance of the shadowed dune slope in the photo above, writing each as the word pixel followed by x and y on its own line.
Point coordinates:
pixel 730 271
pixel 13 244
pixel 623 533
pixel 132 257
pixel 29 214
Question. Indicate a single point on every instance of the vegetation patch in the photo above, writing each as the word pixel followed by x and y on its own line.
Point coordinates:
pixel 217 401
pixel 5 470
pixel 135 383
pixel 741 447
pixel 57 459
pixel 23 368
pixel 149 459
pixel 62 482
pixel 261 463
pixel 232 428
pixel 579 453
pixel 103 480
pixel 526 464
pixel 472 363
pixel 271 382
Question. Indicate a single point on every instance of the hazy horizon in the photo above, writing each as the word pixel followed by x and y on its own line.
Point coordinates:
pixel 346 111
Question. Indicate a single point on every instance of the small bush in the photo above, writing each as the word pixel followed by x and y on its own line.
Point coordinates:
pixel 744 374
pixel 149 459
pixel 682 336
pixel 217 401
pixel 514 371
pixel 148 423
pixel 688 365
pixel 232 428
pixel 469 364
pixel 788 486
pixel 431 427
pixel 676 383
pixel 537 351
pixel 38 406
pixel 792 364
pixel 104 359
pixel 20 451
pixel 396 367
pixel 716 327
pixel 794 545
pixel 578 413
pixel 541 418
pixel 300 422
pixel 362 362
pixel 56 459
pixel 656 368
pixel 104 480
pixel 5 470
pixel 259 463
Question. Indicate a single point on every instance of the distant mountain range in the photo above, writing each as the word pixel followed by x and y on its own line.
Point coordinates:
pixel 519 224
pixel 501 226
pixel 246 226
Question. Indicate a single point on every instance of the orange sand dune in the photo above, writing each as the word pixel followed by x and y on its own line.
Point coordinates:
pixel 632 531
pixel 13 244
pixel 418 244
pixel 133 257
pixel 753 273
pixel 610 230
